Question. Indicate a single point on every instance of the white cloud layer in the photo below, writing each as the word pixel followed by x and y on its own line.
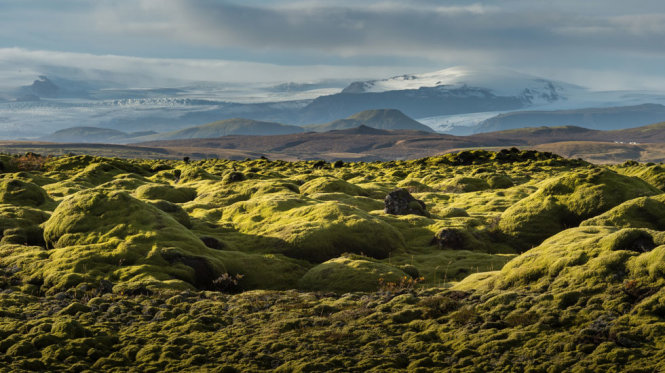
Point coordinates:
pixel 20 67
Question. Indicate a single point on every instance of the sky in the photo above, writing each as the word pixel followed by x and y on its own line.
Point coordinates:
pixel 609 44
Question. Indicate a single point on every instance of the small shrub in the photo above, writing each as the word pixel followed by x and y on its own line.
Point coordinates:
pixel 406 283
pixel 227 283
pixel 28 162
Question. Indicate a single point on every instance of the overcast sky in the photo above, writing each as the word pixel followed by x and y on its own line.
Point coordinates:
pixel 608 44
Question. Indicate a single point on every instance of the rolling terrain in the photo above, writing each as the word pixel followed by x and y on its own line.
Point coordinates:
pixel 369 144
pixel 472 261
pixel 235 126
pixel 364 143
pixel 383 119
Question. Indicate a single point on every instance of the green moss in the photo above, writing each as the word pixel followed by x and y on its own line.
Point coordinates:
pixel 313 231
pixel 127 284
pixel 645 212
pixel 653 174
pixel 20 193
pixel 452 212
pixel 22 224
pixel 331 185
pixel 565 201
pixel 166 192
pixel 175 211
pixel 463 184
pixel 497 181
pixel 350 273
pixel 68 328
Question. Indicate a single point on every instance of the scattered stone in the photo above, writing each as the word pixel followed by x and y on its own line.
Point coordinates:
pixel 449 238
pixel 401 202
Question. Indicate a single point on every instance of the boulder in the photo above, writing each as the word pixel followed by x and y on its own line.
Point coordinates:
pixel 401 202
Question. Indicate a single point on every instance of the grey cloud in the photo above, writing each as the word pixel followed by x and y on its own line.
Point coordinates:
pixel 428 28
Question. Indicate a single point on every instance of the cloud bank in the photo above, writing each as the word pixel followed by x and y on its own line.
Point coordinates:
pixel 594 40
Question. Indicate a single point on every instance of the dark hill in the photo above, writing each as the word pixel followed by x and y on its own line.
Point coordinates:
pixel 611 118
pixel 366 143
pixel 86 134
pixel 388 119
pixel 538 135
pixel 235 126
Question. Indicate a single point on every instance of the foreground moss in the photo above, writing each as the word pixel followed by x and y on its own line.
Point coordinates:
pixel 525 262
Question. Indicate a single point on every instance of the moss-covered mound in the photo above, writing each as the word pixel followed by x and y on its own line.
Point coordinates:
pixel 166 192
pixel 463 184
pixel 565 201
pixel 331 185
pixel 350 273
pixel 653 174
pixel 21 225
pixel 645 212
pixel 498 181
pixel 120 238
pixel 16 192
pixel 311 230
pixel 96 235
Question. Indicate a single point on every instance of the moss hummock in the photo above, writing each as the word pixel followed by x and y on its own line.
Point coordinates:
pixel 565 201
pixel 350 273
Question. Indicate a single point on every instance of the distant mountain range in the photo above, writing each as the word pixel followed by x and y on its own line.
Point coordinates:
pixel 450 91
pixel 235 126
pixel 646 143
pixel 593 118
pixel 654 133
pixel 458 100
pixel 366 143
pixel 93 134
pixel 382 119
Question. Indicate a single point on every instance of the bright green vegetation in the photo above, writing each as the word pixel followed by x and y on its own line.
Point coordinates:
pixel 524 262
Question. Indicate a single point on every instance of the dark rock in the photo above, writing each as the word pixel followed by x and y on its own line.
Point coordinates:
pixel 213 243
pixel 320 164
pixel 642 244
pixel 457 295
pixel 105 287
pixel 401 202
pixel 449 238
pixel 204 273
pixel 233 177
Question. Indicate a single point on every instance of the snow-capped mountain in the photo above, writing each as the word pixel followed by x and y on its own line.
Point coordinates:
pixel 499 82
pixel 454 100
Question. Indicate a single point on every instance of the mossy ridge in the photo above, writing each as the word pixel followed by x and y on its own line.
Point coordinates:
pixel 350 273
pixel 331 185
pixel 20 193
pixel 218 195
pixel 653 174
pixel 90 239
pixel 463 184
pixel 644 212
pixel 567 200
pixel 316 231
pixel 166 192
